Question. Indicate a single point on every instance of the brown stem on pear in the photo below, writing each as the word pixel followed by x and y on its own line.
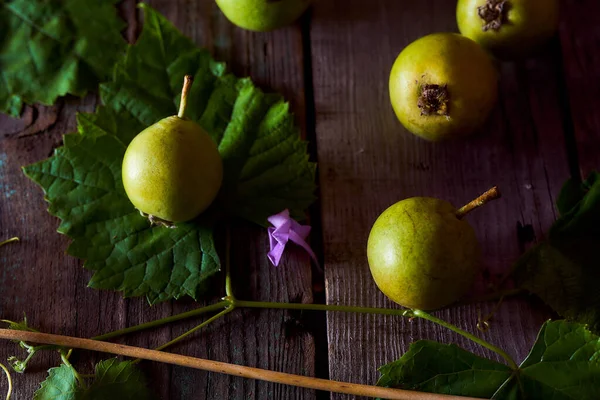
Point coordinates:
pixel 187 84
pixel 14 239
pixel 491 194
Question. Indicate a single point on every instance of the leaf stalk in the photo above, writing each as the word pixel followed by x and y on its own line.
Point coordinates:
pixel 65 361
pixel 197 328
pixel 159 322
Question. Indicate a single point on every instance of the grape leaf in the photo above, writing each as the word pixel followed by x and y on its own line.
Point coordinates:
pixel 562 270
pixel 434 367
pixel 266 167
pixel 118 381
pixel 52 48
pixel 113 380
pixel 564 276
pixel 581 213
pixel 61 384
pixel 564 363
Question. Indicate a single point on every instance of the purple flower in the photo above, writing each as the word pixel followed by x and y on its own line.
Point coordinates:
pixel 285 229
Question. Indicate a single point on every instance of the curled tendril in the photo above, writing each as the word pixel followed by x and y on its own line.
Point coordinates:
pixel 9 378
pixel 483 323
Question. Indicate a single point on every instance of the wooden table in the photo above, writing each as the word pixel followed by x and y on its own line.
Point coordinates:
pixel 333 66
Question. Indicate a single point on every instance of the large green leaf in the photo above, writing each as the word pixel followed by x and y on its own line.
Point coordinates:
pixel 113 380
pixel 564 363
pixel 265 163
pixel 49 48
pixel 563 270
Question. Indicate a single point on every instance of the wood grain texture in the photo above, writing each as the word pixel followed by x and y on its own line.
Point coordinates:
pixel 368 161
pixel 580 40
pixel 38 278
pixel 264 339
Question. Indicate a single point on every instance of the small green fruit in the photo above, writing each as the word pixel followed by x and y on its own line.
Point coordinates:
pixel 262 15
pixel 422 254
pixel 508 28
pixel 443 86
pixel 172 170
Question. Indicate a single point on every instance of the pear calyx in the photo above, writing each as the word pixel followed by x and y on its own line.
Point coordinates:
pixel 493 13
pixel 434 100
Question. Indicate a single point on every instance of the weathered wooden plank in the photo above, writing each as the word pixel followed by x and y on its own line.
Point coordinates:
pixel 36 276
pixel 257 338
pixel 60 302
pixel 580 40
pixel 368 162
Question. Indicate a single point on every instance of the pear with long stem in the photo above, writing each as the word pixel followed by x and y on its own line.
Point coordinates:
pixel 172 170
pixel 423 254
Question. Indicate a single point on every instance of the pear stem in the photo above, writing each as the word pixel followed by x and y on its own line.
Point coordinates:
pixel 187 84
pixel 11 240
pixel 490 195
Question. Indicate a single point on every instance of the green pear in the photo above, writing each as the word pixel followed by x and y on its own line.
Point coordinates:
pixel 443 86
pixel 423 254
pixel 262 15
pixel 172 170
pixel 509 29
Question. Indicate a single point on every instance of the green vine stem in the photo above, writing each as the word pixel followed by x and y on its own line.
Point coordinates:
pixel 232 302
pixel 422 314
pixel 11 240
pixel 323 307
pixel 197 328
pixel 9 378
pixel 159 322
pixel 368 310
pixel 65 361
pixel 228 283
